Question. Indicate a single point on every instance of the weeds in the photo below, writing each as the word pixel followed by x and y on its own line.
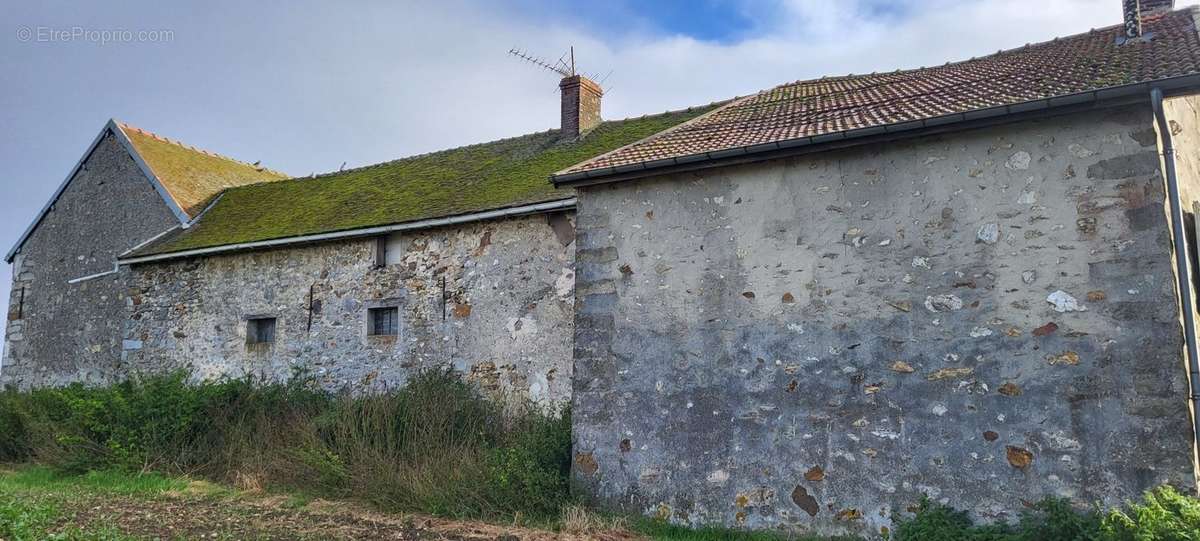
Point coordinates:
pixel 579 520
pixel 661 530
pixel 435 446
pixel 1162 515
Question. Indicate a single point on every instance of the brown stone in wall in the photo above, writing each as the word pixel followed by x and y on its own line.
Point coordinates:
pixel 1018 457
pixel 586 463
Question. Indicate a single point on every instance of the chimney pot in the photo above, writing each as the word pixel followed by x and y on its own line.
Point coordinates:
pixel 580 105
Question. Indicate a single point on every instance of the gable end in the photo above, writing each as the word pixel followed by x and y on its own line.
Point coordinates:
pixel 110 127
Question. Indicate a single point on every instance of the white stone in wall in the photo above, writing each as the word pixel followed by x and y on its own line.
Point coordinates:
pixel 1064 302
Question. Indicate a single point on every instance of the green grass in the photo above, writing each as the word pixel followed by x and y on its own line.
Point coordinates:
pixel 657 529
pixel 31 505
pixel 32 499
pixel 42 478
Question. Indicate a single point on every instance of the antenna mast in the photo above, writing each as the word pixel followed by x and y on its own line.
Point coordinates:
pixel 564 66
pixel 560 67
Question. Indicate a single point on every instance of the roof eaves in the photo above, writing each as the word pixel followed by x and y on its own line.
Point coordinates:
pixel 768 151
pixel 128 258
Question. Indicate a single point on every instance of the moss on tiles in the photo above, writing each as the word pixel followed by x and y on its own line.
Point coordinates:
pixel 500 174
pixel 191 176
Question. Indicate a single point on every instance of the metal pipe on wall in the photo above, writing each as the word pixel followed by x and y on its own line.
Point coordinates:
pixel 1182 267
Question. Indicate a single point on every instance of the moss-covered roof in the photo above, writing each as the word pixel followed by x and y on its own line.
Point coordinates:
pixel 192 177
pixel 476 178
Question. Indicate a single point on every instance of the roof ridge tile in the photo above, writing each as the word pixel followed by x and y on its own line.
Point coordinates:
pixel 127 126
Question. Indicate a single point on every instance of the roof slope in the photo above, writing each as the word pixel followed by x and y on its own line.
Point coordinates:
pixel 185 177
pixel 1064 66
pixel 464 180
pixel 192 177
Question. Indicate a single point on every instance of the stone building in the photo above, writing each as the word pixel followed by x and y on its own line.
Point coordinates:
pixel 68 309
pixel 464 256
pixel 801 309
pixel 815 304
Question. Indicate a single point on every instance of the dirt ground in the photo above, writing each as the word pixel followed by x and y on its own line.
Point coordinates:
pixel 184 515
pixel 273 518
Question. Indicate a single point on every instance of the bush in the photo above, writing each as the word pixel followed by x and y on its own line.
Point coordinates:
pixel 435 445
pixel 14 438
pixel 1163 515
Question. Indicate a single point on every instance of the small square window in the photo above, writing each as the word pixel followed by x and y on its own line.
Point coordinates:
pixel 383 321
pixel 260 330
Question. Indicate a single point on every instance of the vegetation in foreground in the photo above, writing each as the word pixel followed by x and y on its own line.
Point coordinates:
pixel 37 503
pixel 434 447
pixel 1163 514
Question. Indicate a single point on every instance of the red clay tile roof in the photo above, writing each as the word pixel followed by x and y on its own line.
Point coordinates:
pixel 1064 66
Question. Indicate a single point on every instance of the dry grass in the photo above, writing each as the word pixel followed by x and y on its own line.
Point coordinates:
pixel 580 520
pixel 435 446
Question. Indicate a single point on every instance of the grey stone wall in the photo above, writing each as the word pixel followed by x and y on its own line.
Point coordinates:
pixel 987 317
pixel 60 332
pixel 507 321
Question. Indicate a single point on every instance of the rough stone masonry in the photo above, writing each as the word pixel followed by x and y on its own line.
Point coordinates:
pixel 815 342
pixel 61 332
pixel 492 298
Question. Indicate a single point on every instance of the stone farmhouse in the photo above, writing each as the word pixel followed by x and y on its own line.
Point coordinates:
pixel 803 308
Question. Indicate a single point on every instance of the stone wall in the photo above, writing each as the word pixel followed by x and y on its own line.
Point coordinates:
pixel 1183 119
pixel 506 322
pixel 986 317
pixel 60 332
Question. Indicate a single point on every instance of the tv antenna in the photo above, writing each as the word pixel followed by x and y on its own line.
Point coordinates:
pixel 565 65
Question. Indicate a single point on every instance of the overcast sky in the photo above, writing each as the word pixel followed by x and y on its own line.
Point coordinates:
pixel 305 86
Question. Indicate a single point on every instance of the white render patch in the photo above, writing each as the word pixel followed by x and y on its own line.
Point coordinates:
pixel 1064 302
pixel 564 286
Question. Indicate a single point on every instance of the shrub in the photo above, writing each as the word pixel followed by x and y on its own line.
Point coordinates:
pixel 14 437
pixel 935 522
pixel 1163 515
pixel 531 471
pixel 436 445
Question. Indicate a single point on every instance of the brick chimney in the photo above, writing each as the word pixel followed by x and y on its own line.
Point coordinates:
pixel 580 105
pixel 1135 11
